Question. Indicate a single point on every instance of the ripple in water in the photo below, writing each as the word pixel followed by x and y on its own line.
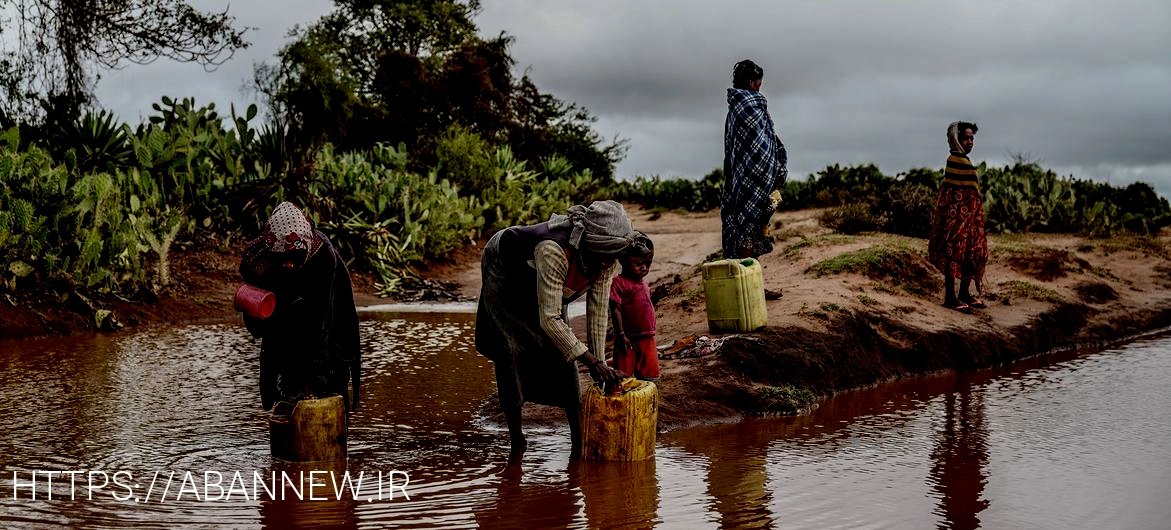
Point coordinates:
pixel 1077 443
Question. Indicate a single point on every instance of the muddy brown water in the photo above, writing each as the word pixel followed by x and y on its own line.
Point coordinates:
pixel 1074 442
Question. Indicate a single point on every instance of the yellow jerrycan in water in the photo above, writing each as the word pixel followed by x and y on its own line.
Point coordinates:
pixel 312 430
pixel 620 426
pixel 734 290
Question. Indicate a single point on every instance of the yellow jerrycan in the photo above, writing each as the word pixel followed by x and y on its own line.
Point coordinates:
pixel 734 290
pixel 620 426
pixel 312 430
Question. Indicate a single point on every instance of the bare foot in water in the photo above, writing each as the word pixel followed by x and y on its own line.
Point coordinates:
pixel 519 445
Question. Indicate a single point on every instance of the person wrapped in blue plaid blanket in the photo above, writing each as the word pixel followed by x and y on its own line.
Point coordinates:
pixel 754 166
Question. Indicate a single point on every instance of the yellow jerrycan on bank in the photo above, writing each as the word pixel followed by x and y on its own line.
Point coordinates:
pixel 620 426
pixel 734 290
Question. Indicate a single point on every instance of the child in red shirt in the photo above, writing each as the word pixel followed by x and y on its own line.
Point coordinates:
pixel 633 314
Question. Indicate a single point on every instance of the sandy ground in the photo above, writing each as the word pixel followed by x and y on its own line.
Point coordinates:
pixel 683 241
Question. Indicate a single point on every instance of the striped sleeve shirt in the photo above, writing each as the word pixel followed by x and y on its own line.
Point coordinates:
pixel 960 171
pixel 552 268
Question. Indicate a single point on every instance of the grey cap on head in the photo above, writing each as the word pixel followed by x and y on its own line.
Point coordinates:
pixel 601 227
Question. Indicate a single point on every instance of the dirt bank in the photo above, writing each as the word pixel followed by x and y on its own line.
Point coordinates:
pixel 856 310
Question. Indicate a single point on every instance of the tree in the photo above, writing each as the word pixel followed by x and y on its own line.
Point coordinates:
pixel 363 31
pixel 311 99
pixel 543 125
pixel 477 82
pixel 409 98
pixel 60 41
pixel 406 71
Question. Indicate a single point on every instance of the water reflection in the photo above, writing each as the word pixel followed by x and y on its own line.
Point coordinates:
pixel 532 504
pixel 960 456
pixel 748 465
pixel 619 494
pixel 309 500
pixel 736 474
pixel 553 493
pixel 813 469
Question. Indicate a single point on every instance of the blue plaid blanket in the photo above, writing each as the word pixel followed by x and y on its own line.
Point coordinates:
pixel 754 165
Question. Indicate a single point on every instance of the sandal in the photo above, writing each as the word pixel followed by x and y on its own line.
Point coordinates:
pixel 975 303
pixel 960 306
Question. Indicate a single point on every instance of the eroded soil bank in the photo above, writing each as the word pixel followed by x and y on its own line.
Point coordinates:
pixel 764 373
pixel 859 310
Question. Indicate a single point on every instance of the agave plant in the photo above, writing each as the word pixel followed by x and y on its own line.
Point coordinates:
pixel 98 142
pixel 556 167
pixel 506 162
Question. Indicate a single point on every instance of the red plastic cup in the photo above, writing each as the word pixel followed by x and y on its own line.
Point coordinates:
pixel 254 301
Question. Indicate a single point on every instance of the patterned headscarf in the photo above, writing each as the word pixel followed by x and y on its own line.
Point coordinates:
pixel 288 229
pixel 603 227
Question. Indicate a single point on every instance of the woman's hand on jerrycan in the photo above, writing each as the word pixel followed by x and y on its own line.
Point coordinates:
pixel 606 376
pixel 601 372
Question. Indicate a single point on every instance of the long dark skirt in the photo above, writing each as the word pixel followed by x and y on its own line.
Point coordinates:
pixel 529 368
pixel 958 246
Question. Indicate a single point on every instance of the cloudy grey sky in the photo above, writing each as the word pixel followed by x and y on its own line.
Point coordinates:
pixel 1083 86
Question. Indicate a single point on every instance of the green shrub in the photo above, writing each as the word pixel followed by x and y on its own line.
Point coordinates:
pixel 98 142
pixel 852 219
pixel 86 231
pixel 907 207
pixel 785 398
pixel 656 192
pixel 465 160
pixel 1026 198
pixel 383 218
pixel 516 198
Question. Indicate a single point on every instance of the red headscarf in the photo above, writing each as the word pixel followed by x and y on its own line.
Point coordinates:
pixel 287 229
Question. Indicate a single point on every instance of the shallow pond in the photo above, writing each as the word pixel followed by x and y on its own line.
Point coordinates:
pixel 1074 442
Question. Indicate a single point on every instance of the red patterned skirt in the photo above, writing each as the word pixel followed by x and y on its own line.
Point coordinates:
pixel 958 246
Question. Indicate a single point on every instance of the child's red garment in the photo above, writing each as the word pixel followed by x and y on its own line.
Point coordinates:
pixel 642 362
pixel 633 298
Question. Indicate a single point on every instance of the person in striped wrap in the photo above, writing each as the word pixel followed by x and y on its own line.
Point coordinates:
pixel 754 166
pixel 958 246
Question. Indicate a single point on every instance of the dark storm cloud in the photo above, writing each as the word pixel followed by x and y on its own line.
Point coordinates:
pixel 1075 84
pixel 129 92
pixel 1080 85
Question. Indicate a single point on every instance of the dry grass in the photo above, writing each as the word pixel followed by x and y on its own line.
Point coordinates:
pixel 821 240
pixel 1047 264
pixel 904 267
pixel 1029 290
pixel 1148 245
